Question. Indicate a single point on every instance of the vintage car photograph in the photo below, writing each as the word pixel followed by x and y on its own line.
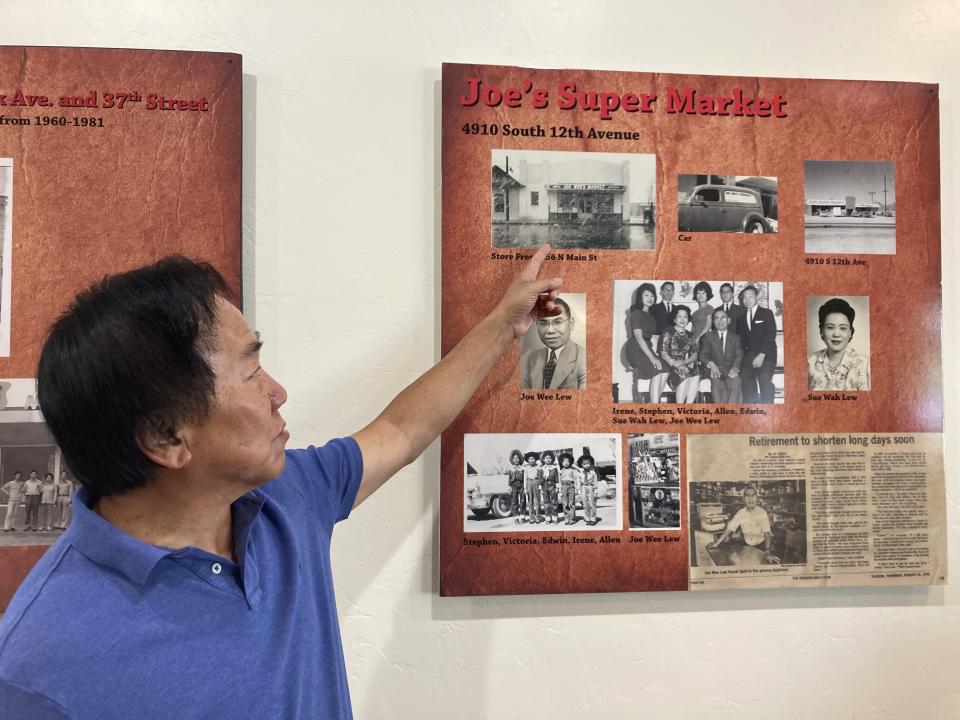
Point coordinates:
pixel 518 482
pixel 727 203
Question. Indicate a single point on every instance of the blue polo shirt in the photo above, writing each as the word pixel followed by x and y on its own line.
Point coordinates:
pixel 106 626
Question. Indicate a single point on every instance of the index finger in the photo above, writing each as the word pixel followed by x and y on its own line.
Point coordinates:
pixel 532 268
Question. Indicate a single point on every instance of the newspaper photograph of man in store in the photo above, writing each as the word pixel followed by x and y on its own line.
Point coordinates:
pixel 654 481
pixel 849 206
pixel 573 199
pixel 697 341
pixel 555 356
pixel 36 488
pixel 838 344
pixel 536 482
pixel 727 203
pixel 747 524
pixel 6 241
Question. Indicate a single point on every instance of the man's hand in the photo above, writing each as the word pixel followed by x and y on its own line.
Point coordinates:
pixel 528 297
pixel 714 370
pixel 758 360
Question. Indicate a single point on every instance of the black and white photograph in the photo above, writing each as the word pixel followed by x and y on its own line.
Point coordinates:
pixel 697 341
pixel 573 199
pixel 727 203
pixel 747 524
pixel 654 481
pixel 553 355
pixel 36 487
pixel 838 342
pixel 534 482
pixel 850 207
pixel 6 238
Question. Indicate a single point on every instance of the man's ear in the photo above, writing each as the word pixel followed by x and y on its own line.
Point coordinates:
pixel 164 444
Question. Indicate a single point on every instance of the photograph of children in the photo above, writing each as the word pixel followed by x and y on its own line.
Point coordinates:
pixel 748 523
pixel 654 481
pixel 697 341
pixel 6 240
pixel 727 203
pixel 36 488
pixel 849 207
pixel 838 342
pixel 533 482
pixel 573 199
pixel 554 355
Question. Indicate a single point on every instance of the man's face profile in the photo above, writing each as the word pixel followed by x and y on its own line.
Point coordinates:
pixel 666 292
pixel 726 294
pixel 554 331
pixel 749 299
pixel 750 498
pixel 243 436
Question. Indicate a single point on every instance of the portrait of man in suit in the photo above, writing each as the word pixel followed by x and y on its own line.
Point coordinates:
pixel 721 355
pixel 732 310
pixel 757 329
pixel 556 362
pixel 662 310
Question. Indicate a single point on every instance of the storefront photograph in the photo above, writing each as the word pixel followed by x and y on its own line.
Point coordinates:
pixel 573 199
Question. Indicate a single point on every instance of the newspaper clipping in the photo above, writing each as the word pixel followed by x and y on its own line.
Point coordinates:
pixel 816 509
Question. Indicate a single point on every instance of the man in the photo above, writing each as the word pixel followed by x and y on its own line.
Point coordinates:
pixel 561 364
pixel 64 498
pixel 662 310
pixel 32 489
pixel 194 580
pixel 721 353
pixel 757 329
pixel 753 523
pixel 14 491
pixel 732 310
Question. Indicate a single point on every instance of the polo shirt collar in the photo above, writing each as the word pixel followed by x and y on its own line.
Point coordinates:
pixel 106 544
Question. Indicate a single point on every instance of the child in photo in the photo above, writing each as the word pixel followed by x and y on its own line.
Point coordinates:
pixel 548 483
pixel 531 476
pixel 568 488
pixel 590 482
pixel 518 505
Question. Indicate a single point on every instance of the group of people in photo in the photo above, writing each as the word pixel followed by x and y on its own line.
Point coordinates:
pixel 733 344
pixel 46 504
pixel 540 483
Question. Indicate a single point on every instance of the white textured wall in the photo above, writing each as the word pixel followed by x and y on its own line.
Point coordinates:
pixel 341 108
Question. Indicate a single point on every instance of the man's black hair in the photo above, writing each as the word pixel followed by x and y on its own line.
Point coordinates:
pixel 128 356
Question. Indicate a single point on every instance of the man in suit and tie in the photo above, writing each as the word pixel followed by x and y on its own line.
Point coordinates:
pixel 732 310
pixel 722 353
pixel 562 364
pixel 757 329
pixel 661 311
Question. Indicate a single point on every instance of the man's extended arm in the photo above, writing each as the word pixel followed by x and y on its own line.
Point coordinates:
pixel 418 414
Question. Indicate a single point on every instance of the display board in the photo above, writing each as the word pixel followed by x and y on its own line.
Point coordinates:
pixel 109 159
pixel 742 387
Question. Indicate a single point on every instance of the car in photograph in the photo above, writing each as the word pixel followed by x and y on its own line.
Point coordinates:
pixel 488 494
pixel 722 208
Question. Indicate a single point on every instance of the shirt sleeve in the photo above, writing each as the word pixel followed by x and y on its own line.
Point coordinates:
pixel 328 476
pixel 735 521
pixel 19 702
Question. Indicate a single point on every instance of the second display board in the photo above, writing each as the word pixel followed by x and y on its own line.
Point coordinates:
pixel 733 394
